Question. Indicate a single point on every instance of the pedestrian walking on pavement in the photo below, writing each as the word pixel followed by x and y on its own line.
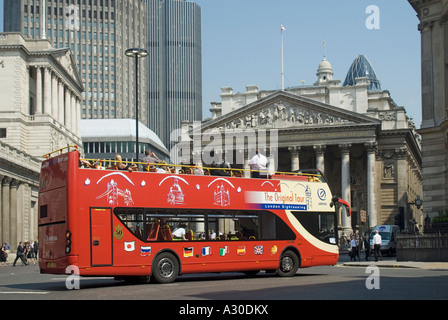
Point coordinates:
pixel 3 256
pixel 366 244
pixel 36 250
pixel 354 248
pixel 377 246
pixel 19 254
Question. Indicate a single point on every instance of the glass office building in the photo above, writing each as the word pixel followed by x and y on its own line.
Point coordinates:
pixel 98 32
pixel 174 67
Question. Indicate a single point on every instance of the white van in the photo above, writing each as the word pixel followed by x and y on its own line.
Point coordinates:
pixel 388 235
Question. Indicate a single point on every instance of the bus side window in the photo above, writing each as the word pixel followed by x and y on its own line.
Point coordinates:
pixel 274 228
pixel 233 225
pixel 161 224
pixel 132 218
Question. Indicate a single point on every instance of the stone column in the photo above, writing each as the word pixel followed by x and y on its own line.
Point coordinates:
pixel 345 187
pixel 320 159
pixel 61 102
pixel 371 196
pixel 33 219
pixel 47 91
pixel 15 222
pixel 78 117
pixel 246 164
pixel 6 210
pixel 272 164
pixel 402 182
pixel 68 122
pixel 295 161
pixel 427 58
pixel 54 97
pixel 74 123
pixel 38 90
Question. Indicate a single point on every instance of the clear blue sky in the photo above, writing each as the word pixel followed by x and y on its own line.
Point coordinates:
pixel 241 44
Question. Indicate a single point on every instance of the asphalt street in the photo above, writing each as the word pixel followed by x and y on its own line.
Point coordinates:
pixel 360 280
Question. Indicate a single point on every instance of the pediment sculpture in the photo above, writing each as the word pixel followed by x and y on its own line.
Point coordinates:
pixel 281 115
pixel 66 61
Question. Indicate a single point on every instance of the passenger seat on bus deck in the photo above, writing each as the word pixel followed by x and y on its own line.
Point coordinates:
pixel 153 230
pixel 165 233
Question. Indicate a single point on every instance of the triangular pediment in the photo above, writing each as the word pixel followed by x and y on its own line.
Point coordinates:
pixel 65 59
pixel 282 110
pixel 63 62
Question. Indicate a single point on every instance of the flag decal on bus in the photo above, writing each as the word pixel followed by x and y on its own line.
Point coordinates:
pixel 145 250
pixel 129 246
pixel 188 252
pixel 241 250
pixel 223 251
pixel 206 251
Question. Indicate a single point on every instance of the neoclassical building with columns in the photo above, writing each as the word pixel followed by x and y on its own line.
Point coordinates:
pixel 365 144
pixel 40 100
pixel 433 28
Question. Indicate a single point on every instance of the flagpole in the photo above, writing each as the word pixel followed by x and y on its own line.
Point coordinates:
pixel 283 73
pixel 44 20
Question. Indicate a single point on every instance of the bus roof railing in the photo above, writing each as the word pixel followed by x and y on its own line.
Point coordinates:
pixel 110 164
pixel 60 151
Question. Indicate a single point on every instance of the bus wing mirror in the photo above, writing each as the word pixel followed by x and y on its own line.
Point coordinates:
pixel 343 202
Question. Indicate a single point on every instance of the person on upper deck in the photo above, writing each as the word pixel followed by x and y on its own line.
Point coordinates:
pixel 259 163
pixel 150 158
pixel 119 165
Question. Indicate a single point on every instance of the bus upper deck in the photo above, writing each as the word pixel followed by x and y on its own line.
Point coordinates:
pixel 214 170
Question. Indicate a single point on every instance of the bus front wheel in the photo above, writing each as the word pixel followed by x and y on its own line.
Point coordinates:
pixel 289 264
pixel 165 268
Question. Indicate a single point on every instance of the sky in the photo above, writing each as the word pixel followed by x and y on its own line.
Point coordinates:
pixel 241 45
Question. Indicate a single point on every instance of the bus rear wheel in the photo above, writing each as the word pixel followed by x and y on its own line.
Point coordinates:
pixel 289 264
pixel 165 268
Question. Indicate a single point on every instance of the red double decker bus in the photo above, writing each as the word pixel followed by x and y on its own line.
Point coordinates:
pixel 142 225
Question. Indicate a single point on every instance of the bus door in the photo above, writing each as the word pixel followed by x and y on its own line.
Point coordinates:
pixel 101 236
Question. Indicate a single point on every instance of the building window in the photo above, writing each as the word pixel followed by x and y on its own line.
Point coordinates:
pixel 2 133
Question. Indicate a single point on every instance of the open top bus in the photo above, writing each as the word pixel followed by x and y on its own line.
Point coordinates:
pixel 137 224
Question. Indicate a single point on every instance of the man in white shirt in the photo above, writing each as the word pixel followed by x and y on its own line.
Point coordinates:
pixel 377 246
pixel 180 233
pixel 258 162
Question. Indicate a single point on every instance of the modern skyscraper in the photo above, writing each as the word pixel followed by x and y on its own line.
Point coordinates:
pixel 174 65
pixel 98 32
pixel 360 68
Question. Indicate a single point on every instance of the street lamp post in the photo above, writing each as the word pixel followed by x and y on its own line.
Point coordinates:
pixel 136 53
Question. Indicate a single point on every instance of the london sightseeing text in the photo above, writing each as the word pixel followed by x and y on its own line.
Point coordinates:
pixel 142 225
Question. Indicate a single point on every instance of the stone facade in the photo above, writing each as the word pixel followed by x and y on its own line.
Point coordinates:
pixel 365 144
pixel 39 113
pixel 433 27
